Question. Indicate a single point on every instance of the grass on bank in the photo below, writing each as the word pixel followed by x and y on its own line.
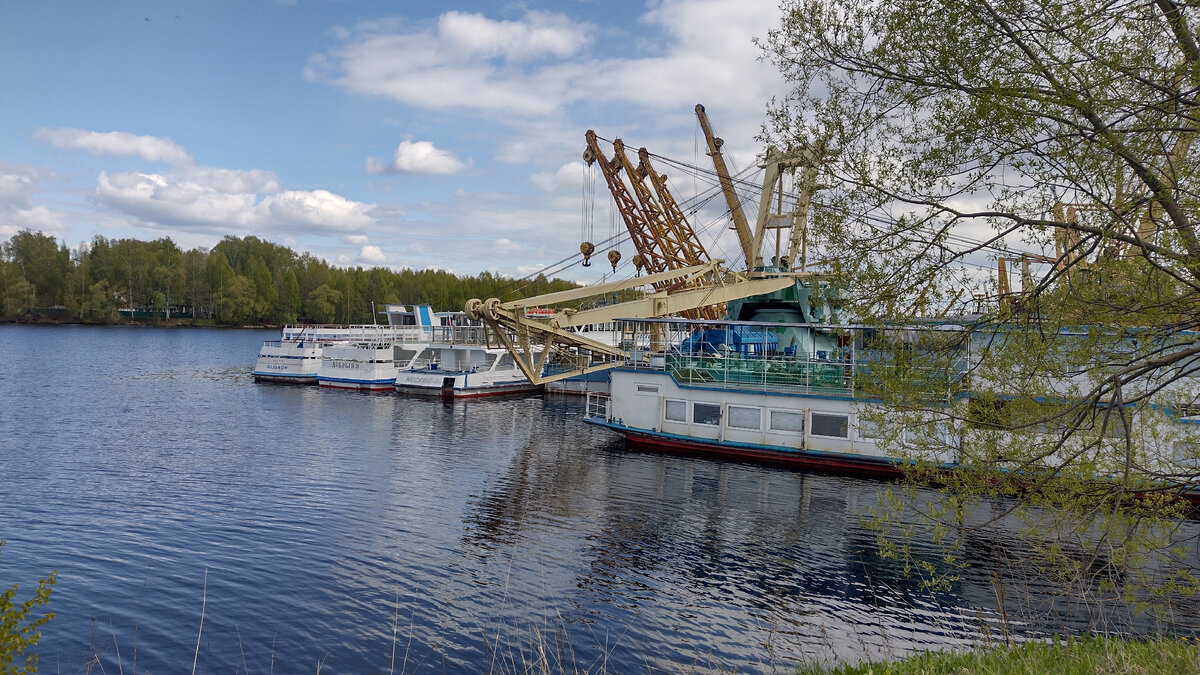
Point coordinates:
pixel 1070 657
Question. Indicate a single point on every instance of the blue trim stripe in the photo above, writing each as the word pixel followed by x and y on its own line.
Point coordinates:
pixel 344 379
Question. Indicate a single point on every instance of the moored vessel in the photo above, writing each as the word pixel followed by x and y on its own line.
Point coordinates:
pixel 369 365
pixel 463 371
pixel 295 357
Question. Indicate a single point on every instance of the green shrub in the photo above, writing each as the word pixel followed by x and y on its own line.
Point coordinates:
pixel 1073 656
pixel 18 632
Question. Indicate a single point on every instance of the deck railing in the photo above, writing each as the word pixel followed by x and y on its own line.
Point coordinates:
pixel 457 335
pixel 837 377
pixel 597 405
pixel 765 373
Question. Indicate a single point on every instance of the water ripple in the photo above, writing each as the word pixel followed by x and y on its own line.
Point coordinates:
pixel 314 526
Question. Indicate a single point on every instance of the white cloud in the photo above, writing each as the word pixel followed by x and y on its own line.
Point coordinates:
pixel 540 34
pixel 421 157
pixel 372 255
pixel 228 201
pixel 17 210
pixel 568 176
pixel 231 181
pixel 505 247
pixel 316 210
pixel 526 270
pixel 464 60
pixel 38 218
pixel 116 143
pixel 17 182
pixel 534 66
pixel 356 239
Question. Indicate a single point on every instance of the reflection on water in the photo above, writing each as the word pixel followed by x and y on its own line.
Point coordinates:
pixel 349 529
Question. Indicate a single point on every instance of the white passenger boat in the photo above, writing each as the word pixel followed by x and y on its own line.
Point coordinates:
pixel 766 390
pixel 797 393
pixel 461 371
pixel 290 361
pixel 370 365
pixel 296 356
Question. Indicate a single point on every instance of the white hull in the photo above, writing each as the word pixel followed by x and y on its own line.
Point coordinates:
pixel 458 371
pixel 366 365
pixel 288 361
pixel 753 423
pixel 808 410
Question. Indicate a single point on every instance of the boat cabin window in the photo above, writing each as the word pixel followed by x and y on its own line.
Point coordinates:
pixel 926 434
pixel 506 362
pixel 869 428
pixel 783 420
pixel 1187 454
pixel 836 426
pixel 1187 410
pixel 742 417
pixel 676 411
pixel 706 413
pixel 651 389
pixel 989 414
pixel 1111 424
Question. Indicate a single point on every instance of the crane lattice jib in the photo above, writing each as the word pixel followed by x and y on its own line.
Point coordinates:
pixel 670 247
pixel 677 246
pixel 690 251
pixel 659 247
pixel 689 247
pixel 635 222
pixel 745 238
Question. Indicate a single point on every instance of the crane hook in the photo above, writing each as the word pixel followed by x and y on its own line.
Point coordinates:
pixel 614 257
pixel 586 248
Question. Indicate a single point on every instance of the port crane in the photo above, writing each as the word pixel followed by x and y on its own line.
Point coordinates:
pixel 684 278
pixel 534 343
pixel 657 227
pixel 771 213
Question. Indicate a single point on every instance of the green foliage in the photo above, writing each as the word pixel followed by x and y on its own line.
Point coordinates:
pixel 289 297
pixel 40 262
pixel 240 281
pixel 19 629
pixel 1028 126
pixel 1091 656
pixel 323 303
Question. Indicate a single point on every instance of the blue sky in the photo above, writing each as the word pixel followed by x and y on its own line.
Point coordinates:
pixel 397 134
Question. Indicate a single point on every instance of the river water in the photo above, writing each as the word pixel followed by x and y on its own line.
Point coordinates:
pixel 193 515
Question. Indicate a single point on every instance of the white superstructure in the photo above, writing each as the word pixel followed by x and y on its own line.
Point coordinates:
pixel 458 371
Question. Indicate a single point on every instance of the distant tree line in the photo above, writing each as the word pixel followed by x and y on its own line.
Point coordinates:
pixel 240 281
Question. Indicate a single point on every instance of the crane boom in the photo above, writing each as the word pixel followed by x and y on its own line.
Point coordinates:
pixel 663 243
pixel 635 222
pixel 678 248
pixel 690 249
pixel 731 199
pixel 533 342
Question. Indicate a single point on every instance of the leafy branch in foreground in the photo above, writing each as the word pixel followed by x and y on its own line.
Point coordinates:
pixel 1058 138
pixel 19 632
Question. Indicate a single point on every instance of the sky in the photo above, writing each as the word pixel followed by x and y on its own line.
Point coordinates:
pixel 395 134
